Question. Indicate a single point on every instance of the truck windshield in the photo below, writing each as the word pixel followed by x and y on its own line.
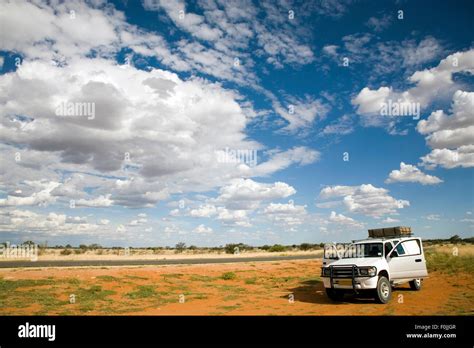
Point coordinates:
pixel 364 250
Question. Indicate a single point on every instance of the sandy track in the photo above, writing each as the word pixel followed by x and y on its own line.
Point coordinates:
pixel 263 288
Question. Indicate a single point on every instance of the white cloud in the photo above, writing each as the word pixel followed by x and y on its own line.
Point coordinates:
pixel 431 83
pixel 364 199
pixel 450 137
pixel 379 23
pixel 234 217
pixel 201 229
pixel 389 220
pixel 206 210
pixel 343 125
pixel 410 173
pixel 331 50
pixel 190 22
pixel 279 160
pixel 51 224
pixel 244 194
pixel 104 222
pixel 300 113
pixel 41 197
pixel 286 213
pixel 433 217
pixel 101 201
pixel 343 220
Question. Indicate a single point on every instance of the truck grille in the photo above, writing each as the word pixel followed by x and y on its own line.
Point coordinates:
pixel 342 272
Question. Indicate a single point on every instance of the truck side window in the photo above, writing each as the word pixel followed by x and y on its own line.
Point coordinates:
pixel 412 247
pixel 400 249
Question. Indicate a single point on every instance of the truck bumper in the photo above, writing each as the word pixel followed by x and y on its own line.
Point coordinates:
pixel 361 283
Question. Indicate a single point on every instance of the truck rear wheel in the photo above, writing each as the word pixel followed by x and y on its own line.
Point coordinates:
pixel 415 284
pixel 383 293
pixel 335 295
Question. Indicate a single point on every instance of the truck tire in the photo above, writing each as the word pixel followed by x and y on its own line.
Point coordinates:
pixel 415 284
pixel 335 295
pixel 383 293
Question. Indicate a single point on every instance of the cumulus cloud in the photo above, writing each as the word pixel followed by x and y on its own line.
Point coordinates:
pixel 201 229
pixel 431 83
pixel 450 136
pixel 286 213
pixel 101 201
pixel 410 173
pixel 41 197
pixel 234 217
pixel 340 219
pixel 365 199
pixel 244 194
pixel 153 144
pixel 206 210
pixel 51 224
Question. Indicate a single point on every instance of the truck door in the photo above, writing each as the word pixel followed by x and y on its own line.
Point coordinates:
pixel 407 260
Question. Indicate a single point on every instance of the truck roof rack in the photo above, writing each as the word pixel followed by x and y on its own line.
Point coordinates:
pixel 397 231
pixel 384 238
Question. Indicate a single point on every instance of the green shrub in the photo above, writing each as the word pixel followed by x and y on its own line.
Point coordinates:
pixel 228 276
pixel 277 248
pixel 66 252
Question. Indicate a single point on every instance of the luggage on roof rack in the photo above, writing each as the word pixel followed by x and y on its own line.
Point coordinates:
pixel 401 231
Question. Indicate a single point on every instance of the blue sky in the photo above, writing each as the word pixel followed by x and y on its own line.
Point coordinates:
pixel 173 85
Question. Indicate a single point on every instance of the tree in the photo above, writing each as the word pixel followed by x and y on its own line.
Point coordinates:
pixel 180 247
pixel 305 246
pixel 455 239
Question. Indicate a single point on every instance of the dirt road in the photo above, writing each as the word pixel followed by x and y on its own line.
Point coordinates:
pixel 289 287
pixel 143 262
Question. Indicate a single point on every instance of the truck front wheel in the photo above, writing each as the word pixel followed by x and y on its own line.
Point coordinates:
pixel 415 284
pixel 335 295
pixel 383 291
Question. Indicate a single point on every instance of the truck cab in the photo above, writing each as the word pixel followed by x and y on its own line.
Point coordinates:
pixel 374 265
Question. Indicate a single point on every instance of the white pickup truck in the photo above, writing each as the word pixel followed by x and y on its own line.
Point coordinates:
pixel 374 265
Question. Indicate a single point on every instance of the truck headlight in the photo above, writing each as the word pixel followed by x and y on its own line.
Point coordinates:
pixel 367 271
pixel 325 271
pixel 372 271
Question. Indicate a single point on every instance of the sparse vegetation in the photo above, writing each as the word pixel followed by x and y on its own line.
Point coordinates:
pixel 228 276
pixel 449 263
pixel 277 248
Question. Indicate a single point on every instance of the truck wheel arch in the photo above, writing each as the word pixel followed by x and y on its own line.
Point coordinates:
pixel 384 273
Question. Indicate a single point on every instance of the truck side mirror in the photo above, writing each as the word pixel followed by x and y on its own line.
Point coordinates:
pixel 394 253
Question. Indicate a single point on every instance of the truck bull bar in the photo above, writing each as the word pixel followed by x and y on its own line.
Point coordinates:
pixel 354 273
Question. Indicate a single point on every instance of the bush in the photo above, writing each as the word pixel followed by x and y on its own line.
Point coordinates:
pixel 306 246
pixel 232 248
pixel 228 276
pixel 277 248
pixel 66 252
